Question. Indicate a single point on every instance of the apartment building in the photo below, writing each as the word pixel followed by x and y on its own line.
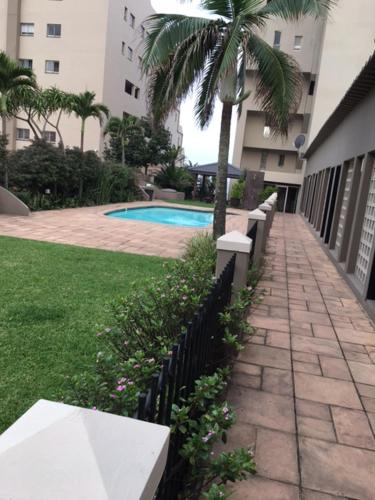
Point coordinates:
pixel 329 59
pixel 81 45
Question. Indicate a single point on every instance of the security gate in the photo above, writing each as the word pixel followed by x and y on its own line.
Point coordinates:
pixel 344 206
pixel 367 236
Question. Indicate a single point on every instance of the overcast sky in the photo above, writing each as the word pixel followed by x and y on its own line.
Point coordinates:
pixel 200 146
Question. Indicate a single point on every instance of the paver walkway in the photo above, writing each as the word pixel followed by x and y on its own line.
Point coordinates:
pixel 304 388
pixel 89 227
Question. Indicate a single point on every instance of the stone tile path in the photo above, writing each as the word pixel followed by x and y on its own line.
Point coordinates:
pixel 89 227
pixel 304 388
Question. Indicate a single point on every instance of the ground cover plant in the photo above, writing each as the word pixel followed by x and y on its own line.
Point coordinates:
pixel 54 300
pixel 144 327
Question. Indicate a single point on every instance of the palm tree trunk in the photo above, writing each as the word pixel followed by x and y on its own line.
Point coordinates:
pixel 4 133
pixel 82 135
pixel 222 171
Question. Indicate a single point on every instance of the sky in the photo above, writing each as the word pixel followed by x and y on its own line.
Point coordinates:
pixel 200 146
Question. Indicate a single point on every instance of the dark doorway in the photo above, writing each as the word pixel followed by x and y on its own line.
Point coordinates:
pixel 327 200
pixel 332 203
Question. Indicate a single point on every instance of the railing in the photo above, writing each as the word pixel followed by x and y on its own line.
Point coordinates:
pixel 197 353
pixel 252 234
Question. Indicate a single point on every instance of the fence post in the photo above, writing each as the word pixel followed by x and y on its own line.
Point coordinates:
pixel 228 245
pixel 257 217
pixel 267 209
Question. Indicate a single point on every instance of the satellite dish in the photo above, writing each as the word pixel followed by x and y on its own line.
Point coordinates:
pixel 300 141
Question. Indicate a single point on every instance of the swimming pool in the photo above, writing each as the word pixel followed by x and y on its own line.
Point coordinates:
pixel 165 215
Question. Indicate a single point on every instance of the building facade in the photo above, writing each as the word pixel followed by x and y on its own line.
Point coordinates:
pixel 91 45
pixel 329 61
pixel 338 197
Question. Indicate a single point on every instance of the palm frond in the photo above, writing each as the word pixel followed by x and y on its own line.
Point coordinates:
pixel 293 10
pixel 279 83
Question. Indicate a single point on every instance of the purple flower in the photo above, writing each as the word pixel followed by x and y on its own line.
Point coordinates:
pixel 120 388
pixel 94 408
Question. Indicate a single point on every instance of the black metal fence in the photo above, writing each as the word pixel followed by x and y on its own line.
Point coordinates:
pixel 197 353
pixel 252 234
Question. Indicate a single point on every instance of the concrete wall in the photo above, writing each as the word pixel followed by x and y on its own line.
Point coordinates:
pixel 353 137
pixel 348 44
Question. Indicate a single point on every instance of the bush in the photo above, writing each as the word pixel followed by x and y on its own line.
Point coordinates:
pixel 238 190
pixel 172 177
pixel 202 248
pixel 266 193
pixel 45 177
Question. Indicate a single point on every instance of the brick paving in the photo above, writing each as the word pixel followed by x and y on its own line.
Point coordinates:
pixel 89 227
pixel 304 387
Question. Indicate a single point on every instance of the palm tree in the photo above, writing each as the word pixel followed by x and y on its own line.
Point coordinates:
pixel 84 107
pixel 121 128
pixel 212 55
pixel 11 77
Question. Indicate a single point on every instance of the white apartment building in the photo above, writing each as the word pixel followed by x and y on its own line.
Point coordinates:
pixel 330 53
pixel 81 45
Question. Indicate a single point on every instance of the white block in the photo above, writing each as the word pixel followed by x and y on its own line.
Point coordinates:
pixel 234 242
pixel 257 215
pixel 60 452
pixel 265 207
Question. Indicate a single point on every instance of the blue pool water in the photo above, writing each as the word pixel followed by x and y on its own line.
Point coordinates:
pixel 164 215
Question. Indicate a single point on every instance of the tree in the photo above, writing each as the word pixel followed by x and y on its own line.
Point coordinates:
pixel 84 107
pixel 55 102
pixel 11 77
pixel 211 55
pixel 122 129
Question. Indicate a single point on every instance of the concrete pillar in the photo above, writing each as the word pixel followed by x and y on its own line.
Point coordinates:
pixel 228 245
pixel 257 217
pixel 267 209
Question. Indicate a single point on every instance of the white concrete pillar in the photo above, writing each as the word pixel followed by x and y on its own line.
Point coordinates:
pixel 228 245
pixel 267 209
pixel 257 217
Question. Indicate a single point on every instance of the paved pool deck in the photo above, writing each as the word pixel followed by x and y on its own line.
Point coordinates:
pixel 89 227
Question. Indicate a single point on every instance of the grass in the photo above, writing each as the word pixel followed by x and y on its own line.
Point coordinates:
pixel 194 203
pixel 54 299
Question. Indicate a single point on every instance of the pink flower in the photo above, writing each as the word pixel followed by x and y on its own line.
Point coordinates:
pixel 120 388
pixel 136 366
pixel 94 408
pixel 122 380
pixel 113 396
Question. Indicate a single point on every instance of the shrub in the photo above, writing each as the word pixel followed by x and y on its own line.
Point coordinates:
pixel 202 248
pixel 45 177
pixel 266 193
pixel 238 190
pixel 178 178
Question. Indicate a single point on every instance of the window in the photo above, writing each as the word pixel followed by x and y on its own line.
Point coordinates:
pixel 52 67
pixel 277 40
pixel 123 48
pixel 130 53
pixel 298 42
pixel 54 30
pixel 136 93
pixel 140 62
pixel 23 134
pixel 125 14
pixel 132 20
pixel 49 136
pixel 312 87
pixel 263 160
pixel 143 32
pixel 129 87
pixel 26 63
pixel 267 128
pixel 281 160
pixel 27 29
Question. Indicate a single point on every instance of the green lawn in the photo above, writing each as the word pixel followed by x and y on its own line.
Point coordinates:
pixel 53 301
pixel 195 203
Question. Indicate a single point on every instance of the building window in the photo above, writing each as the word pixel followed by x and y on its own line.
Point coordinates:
pixel 298 42
pixel 129 87
pixel 263 160
pixel 23 134
pixel 49 136
pixel 140 62
pixel 27 29
pixel 123 48
pixel 52 66
pixel 143 32
pixel 26 63
pixel 125 14
pixel 267 128
pixel 136 93
pixel 277 40
pixel 281 160
pixel 132 20
pixel 54 30
pixel 312 87
pixel 130 53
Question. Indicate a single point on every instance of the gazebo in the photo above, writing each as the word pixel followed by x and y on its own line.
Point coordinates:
pixel 210 170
